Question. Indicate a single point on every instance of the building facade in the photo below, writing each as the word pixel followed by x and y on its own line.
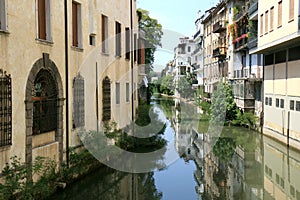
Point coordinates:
pixel 66 70
pixel 278 40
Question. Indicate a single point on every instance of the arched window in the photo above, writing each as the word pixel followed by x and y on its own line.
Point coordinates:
pixel 44 97
pixel 106 112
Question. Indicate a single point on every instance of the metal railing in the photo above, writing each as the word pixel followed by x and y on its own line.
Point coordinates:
pixel 253 8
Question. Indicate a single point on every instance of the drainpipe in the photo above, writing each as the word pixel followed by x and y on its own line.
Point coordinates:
pixel 67 80
pixel 132 61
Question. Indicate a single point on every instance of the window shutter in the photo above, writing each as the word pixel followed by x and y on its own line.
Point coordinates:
pixel 42 19
pixel 75 24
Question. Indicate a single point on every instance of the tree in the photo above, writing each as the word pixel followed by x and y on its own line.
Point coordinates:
pixel 167 85
pixel 153 34
pixel 185 86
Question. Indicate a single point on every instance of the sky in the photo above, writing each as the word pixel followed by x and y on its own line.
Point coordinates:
pixel 177 18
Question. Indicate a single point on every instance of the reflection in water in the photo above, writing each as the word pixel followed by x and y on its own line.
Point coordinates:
pixel 240 164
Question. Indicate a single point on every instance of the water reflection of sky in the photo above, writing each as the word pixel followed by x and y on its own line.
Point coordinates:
pixel 177 181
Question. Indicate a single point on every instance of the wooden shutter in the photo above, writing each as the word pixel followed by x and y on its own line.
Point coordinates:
pixel 266 21
pixel 42 19
pixel 103 33
pixel 75 23
pixel 291 12
pixel 280 13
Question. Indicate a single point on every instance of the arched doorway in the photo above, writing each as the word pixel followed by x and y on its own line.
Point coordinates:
pixel 44 111
pixel 106 101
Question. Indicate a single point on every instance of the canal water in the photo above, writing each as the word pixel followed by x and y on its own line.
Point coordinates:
pixel 237 163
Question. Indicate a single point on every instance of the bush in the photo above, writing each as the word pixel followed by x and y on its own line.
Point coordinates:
pixel 246 119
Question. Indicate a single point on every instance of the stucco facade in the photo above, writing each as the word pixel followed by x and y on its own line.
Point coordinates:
pixel 30 60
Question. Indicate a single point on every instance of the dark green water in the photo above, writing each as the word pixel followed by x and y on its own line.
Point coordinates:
pixel 237 163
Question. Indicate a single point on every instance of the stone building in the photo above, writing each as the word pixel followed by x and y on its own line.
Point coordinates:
pixel 65 67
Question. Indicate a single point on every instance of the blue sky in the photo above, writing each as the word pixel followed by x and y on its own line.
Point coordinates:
pixel 177 18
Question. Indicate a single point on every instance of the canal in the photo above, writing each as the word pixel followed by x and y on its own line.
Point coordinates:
pixel 237 163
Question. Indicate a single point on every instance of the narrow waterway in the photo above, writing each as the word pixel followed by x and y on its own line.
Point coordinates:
pixel 236 163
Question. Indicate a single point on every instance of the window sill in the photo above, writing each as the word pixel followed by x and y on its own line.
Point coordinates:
pixel 4 32
pixel 118 57
pixel 105 53
pixel 79 49
pixel 45 42
pixel 279 26
pixel 5 147
pixel 291 20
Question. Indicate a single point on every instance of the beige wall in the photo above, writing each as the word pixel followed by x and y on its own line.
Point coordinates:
pixel 20 49
pixel 288 27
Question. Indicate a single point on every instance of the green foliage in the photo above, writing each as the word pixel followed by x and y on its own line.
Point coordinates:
pixel 17 181
pixel 167 85
pixel 223 98
pixel 198 95
pixel 153 34
pixel 224 148
pixel 185 86
pixel 246 119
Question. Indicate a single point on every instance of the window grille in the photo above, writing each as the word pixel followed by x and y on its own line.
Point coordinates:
pixel 44 97
pixel 78 102
pixel 5 109
pixel 106 95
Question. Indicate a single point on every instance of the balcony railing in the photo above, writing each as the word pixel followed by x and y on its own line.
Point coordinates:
pixel 241 13
pixel 219 52
pixel 253 8
pixel 241 43
pixel 219 26
pixel 252 43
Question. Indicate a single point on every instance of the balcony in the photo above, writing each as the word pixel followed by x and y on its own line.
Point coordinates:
pixel 219 52
pixel 241 43
pixel 197 34
pixel 219 26
pixel 253 8
pixel 241 13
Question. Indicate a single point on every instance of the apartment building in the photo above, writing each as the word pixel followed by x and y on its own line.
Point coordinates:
pixel 183 59
pixel 278 40
pixel 198 53
pixel 65 67
pixel 245 70
pixel 215 44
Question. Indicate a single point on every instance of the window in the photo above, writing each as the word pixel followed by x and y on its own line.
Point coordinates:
pixel 279 14
pixel 78 102
pixel 2 15
pixel 294 53
pixel 277 102
pixel 127 48
pixel 266 21
pixel 118 39
pixel 44 20
pixel 270 101
pixel 291 10
pixel 92 40
pixel 5 110
pixel 266 101
pixel 292 191
pixel 44 97
pixel 106 109
pixel 189 49
pixel 280 57
pixel 282 182
pixel 135 46
pixel 292 104
pixel 277 178
pixel 261 24
pixel 297 105
pixel 76 24
pixel 272 19
pixel 117 93
pixel 127 92
pixel 281 103
pixel 104 34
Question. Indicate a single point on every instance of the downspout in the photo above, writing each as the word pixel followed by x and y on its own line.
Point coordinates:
pixel 131 58
pixel 67 80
